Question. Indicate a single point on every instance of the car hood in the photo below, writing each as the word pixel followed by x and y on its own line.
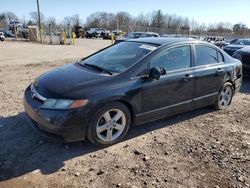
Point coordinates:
pixel 67 81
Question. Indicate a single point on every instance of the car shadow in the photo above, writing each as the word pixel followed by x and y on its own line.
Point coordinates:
pixel 23 151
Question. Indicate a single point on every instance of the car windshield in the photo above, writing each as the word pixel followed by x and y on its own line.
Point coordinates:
pixel 120 57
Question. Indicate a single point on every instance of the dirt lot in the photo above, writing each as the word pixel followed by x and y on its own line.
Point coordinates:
pixel 202 148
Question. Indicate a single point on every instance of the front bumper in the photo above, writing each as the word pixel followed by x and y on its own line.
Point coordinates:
pixel 70 125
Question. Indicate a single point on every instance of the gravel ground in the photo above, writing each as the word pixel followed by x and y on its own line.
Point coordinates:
pixel 202 148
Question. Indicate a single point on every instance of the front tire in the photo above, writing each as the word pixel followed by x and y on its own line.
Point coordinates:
pixel 109 125
pixel 225 96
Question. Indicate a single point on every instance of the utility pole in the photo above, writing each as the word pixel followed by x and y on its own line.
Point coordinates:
pixel 39 20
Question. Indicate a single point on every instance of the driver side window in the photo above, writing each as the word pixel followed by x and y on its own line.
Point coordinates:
pixel 173 59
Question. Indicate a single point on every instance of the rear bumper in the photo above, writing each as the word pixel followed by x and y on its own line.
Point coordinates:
pixel 237 84
pixel 67 125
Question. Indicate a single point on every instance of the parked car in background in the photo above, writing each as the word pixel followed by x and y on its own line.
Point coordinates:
pixel 173 35
pixel 117 32
pixel 134 35
pixel 133 82
pixel 15 25
pixel 97 32
pixel 7 33
pixel 108 35
pixel 131 35
pixel 92 32
pixel 218 41
pixel 230 41
pixel 2 37
pixel 25 33
pixel 149 34
pixel 79 31
pixel 105 33
pixel 243 55
pixel 238 44
pixel 101 31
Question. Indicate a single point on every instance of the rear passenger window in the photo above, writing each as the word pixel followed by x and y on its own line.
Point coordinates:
pixel 206 55
pixel 220 57
pixel 173 59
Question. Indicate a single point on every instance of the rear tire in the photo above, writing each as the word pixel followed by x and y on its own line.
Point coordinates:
pixel 109 124
pixel 225 96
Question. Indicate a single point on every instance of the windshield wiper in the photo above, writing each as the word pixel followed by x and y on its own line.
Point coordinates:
pixel 98 68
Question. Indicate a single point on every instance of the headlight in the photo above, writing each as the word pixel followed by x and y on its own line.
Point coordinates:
pixel 63 104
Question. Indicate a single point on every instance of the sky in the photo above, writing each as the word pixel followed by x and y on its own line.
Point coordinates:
pixel 208 11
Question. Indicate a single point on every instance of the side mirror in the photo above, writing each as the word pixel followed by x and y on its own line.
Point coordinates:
pixel 156 72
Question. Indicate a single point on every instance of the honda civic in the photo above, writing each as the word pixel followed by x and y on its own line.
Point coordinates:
pixel 137 81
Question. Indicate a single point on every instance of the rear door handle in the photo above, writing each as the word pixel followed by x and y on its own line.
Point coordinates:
pixel 187 77
pixel 219 71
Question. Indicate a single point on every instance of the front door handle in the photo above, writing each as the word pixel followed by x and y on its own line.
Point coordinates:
pixel 187 77
pixel 219 70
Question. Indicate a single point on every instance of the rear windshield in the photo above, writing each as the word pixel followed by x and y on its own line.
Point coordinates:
pixel 242 42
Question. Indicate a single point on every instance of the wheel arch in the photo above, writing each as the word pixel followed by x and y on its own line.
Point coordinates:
pixel 131 108
pixel 231 82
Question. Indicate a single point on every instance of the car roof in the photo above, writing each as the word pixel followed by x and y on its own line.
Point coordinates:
pixel 150 33
pixel 161 40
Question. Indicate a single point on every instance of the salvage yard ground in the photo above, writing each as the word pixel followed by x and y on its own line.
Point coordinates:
pixel 202 148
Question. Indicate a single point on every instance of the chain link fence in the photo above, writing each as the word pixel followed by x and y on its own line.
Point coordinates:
pixel 182 32
pixel 55 35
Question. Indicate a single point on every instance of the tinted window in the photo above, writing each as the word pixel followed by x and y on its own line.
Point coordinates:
pixel 205 55
pixel 246 42
pixel 120 57
pixel 173 59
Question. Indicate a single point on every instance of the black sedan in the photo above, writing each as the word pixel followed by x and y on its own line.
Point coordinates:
pixel 236 45
pixel 244 56
pixel 134 82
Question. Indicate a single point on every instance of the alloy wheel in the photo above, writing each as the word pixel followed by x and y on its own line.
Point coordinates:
pixel 111 125
pixel 225 97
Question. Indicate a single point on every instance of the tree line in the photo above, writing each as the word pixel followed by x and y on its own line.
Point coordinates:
pixel 124 20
